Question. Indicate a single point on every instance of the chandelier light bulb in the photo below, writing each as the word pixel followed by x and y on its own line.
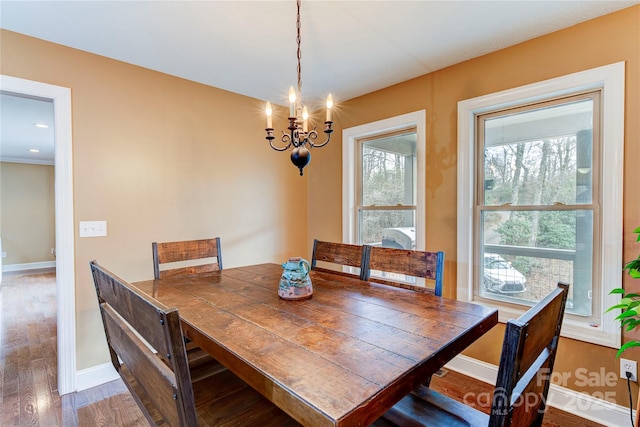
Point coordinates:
pixel 269 112
pixel 292 102
pixel 305 117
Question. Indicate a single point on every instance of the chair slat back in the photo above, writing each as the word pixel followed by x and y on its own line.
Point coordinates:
pixel 188 250
pixel 526 363
pixel 338 253
pixel 147 349
pixel 428 265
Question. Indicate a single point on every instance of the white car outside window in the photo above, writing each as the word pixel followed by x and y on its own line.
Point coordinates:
pixel 501 277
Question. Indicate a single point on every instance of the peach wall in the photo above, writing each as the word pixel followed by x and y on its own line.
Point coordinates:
pixel 27 212
pixel 161 159
pixel 602 41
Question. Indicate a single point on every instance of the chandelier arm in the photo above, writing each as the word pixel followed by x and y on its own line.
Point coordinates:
pixel 285 138
pixel 312 145
pixel 328 131
pixel 312 136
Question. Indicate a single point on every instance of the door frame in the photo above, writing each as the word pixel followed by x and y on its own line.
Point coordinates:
pixel 64 222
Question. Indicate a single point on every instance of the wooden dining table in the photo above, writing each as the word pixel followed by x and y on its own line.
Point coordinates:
pixel 340 358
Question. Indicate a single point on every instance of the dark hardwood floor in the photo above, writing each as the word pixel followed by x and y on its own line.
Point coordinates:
pixel 28 370
pixel 28 365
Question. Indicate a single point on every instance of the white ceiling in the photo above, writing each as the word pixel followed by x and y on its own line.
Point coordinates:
pixel 349 48
pixel 19 133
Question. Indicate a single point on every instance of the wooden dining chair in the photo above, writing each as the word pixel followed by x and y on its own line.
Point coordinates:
pixel 338 253
pixel 146 345
pixel 427 265
pixel 188 250
pixel 526 364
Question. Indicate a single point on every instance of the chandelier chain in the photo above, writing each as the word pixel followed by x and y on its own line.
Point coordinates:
pixel 299 52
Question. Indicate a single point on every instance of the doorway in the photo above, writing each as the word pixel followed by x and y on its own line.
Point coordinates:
pixel 27 199
pixel 64 223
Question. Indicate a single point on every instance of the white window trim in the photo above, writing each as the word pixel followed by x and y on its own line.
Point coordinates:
pixel 611 79
pixel 349 137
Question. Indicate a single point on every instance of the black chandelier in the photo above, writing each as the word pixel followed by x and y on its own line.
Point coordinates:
pixel 299 136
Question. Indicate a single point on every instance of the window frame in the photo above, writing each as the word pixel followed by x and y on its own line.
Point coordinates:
pixel 595 96
pixel 350 156
pixel 609 78
pixel 360 207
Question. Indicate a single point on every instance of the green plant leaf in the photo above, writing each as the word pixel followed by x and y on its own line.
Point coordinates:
pixel 613 307
pixel 616 291
pixel 627 346
pixel 631 326
pixel 628 303
pixel 633 264
pixel 627 313
pixel 628 322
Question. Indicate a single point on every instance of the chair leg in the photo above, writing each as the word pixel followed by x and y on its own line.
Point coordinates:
pixel 427 381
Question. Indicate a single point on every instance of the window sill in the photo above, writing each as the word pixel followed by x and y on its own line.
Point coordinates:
pixel 571 328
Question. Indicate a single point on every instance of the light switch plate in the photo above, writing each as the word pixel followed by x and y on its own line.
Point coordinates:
pixel 93 228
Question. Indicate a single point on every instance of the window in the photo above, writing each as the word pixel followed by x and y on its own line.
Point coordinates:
pixel 531 206
pixel 535 210
pixel 383 182
pixel 386 192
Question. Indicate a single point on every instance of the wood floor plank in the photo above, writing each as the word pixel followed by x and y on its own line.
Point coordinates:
pixel 47 415
pixel 28 403
pixel 1 380
pixel 50 358
pixel 10 415
pixel 10 374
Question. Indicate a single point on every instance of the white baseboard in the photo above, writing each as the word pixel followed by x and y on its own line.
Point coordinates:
pixel 95 376
pixel 28 266
pixel 562 398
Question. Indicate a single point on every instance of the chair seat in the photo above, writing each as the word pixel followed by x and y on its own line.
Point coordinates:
pixel 426 407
